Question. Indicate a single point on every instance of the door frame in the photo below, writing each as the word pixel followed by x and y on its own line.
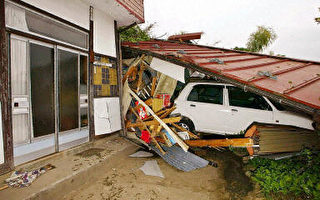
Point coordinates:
pixel 56 48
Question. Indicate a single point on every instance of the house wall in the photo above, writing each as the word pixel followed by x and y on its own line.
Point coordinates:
pixel 75 11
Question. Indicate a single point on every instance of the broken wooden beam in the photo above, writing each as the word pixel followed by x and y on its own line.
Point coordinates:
pixel 234 142
pixel 132 68
pixel 161 122
pixel 185 130
pixel 154 122
pixel 152 134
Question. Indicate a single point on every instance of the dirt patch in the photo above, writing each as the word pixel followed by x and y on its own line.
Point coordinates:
pixel 90 152
pixel 122 179
pixel 231 166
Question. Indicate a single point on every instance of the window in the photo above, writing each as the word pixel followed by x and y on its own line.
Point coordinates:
pixel 29 21
pixel 207 94
pixel 240 98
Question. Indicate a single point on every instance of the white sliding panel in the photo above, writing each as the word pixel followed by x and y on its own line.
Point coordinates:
pixel 19 85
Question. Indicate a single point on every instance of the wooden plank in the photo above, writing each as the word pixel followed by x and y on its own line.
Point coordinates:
pixel 132 68
pixel 250 132
pixel 157 113
pixel 236 142
pixel 154 122
pixel 151 133
pixel 166 139
pixel 153 87
pixel 140 76
pixel 168 112
pixel 172 134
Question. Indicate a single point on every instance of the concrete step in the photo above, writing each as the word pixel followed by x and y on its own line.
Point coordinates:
pixel 73 168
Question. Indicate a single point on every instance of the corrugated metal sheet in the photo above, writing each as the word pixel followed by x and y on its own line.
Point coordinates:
pixel 135 7
pixel 297 81
pixel 177 157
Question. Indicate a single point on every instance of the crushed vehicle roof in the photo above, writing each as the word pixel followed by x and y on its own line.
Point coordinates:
pixel 290 81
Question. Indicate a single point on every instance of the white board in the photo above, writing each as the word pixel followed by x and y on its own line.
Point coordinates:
pixel 106 115
pixel 104 37
pixel 169 69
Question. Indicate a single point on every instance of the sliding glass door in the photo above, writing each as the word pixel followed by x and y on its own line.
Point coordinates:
pixel 42 89
pixel 68 90
pixel 50 94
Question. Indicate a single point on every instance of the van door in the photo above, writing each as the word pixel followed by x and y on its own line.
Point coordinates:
pixel 245 108
pixel 206 108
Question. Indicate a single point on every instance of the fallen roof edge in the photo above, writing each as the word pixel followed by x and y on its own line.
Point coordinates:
pixel 311 109
pixel 238 51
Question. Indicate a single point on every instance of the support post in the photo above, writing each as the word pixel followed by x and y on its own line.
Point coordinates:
pixel 123 131
pixel 91 71
pixel 5 95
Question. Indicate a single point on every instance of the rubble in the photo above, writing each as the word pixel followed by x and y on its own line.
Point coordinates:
pixel 147 107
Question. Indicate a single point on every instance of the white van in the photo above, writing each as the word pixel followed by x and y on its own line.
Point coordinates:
pixel 225 109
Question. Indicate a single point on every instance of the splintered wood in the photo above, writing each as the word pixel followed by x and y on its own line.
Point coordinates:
pixel 149 116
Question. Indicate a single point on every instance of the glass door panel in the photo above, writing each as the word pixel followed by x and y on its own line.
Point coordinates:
pixel 68 90
pixel 42 89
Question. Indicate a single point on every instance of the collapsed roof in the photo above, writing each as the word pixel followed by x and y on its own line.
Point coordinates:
pixel 289 81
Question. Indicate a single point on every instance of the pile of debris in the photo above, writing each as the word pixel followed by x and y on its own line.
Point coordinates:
pixel 147 106
pixel 147 109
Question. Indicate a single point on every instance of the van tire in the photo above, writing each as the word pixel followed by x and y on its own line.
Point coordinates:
pixel 187 124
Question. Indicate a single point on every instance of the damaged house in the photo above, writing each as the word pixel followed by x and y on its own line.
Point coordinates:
pixel 175 89
pixel 61 86
pixel 59 74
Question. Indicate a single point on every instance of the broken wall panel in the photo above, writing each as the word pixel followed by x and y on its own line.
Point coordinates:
pixel 174 71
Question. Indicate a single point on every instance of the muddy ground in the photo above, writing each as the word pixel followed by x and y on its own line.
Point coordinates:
pixel 124 180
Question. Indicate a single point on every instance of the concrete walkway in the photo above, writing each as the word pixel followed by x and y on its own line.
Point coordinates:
pixel 74 167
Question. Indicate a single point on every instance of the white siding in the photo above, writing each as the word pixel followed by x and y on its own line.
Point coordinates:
pixel 104 38
pixel 74 11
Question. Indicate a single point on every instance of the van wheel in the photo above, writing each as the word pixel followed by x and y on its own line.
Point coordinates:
pixel 186 124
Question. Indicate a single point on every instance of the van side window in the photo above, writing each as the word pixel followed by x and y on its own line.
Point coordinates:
pixel 207 94
pixel 240 98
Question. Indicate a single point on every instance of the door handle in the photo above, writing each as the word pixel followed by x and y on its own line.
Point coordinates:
pixel 234 110
pixel 192 105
